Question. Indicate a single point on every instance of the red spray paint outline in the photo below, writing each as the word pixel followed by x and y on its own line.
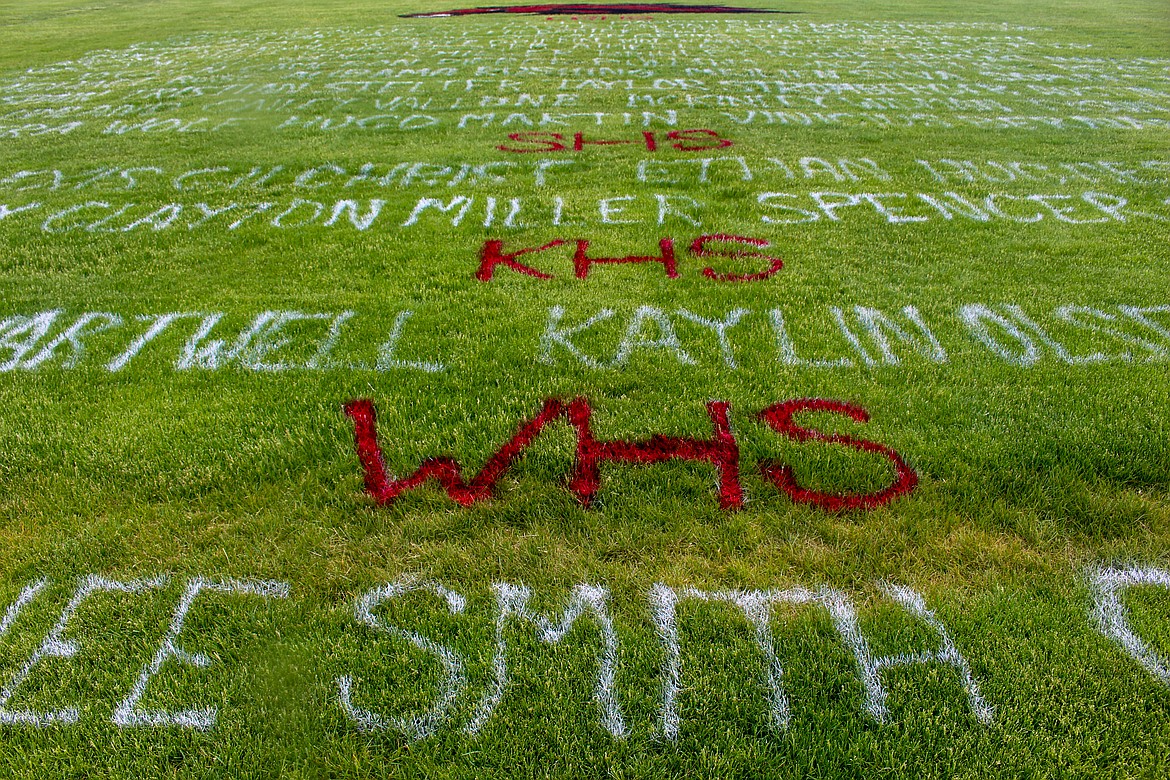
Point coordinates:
pixel 779 418
pixel 492 254
pixel 582 261
pixel 679 136
pixel 684 141
pixel 699 250
pixel 721 451
pixel 589 9
pixel 535 137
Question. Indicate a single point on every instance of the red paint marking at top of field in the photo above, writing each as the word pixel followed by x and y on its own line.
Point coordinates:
pixel 588 9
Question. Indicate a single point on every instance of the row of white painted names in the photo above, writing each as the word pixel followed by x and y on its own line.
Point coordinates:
pixel 381 122
pixel 563 170
pixel 835 338
pixel 848 75
pixel 667 608
pixel 769 210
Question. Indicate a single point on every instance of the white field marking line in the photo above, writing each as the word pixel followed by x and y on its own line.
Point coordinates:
pixel 56 646
pixel 386 352
pixel 977 315
pixel 512 601
pixel 1112 618
pixel 454 681
pixel 128 713
pixel 756 607
pixel 13 612
pixel 720 328
pixel 634 340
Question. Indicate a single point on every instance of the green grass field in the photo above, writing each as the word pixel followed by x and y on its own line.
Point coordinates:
pixel 219 223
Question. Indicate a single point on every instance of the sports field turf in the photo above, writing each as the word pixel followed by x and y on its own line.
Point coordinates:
pixel 756 395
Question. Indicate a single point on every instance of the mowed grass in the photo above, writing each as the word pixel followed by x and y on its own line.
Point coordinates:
pixel 1029 476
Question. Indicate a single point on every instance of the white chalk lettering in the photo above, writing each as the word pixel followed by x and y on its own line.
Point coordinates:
pixel 1112 618
pixel 55 645
pixel 977 318
pixel 512 601
pixel 720 328
pixel 387 353
pixel 555 335
pixel 635 340
pixel 454 680
pixel 128 713
pixel 88 324
pixel 756 606
pixel 27 594
pixel 32 329
pixel 845 619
